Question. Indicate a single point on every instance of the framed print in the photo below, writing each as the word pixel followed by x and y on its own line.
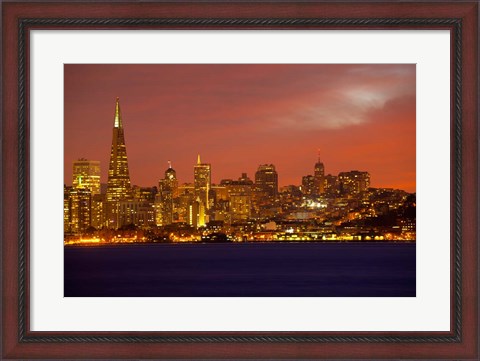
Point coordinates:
pixel 199 221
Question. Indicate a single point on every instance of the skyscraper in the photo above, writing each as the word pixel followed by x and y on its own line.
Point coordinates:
pixel 266 181
pixel 202 182
pixel 77 209
pixel 319 176
pixel 118 185
pixel 167 191
pixel 86 174
pixel 171 181
pixel 308 185
pixel 196 214
pixel 240 198
pixel 330 185
pixel 86 177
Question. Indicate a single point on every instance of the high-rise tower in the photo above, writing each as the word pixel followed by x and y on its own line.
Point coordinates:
pixel 202 181
pixel 118 186
pixel 170 180
pixel 86 174
pixel 167 192
pixel 86 179
pixel 319 176
pixel 266 181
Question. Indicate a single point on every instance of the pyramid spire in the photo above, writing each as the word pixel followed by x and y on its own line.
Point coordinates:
pixel 318 152
pixel 198 159
pixel 118 115
pixel 169 164
pixel 118 184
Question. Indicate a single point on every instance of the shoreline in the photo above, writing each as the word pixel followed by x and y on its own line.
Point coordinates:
pixel 109 244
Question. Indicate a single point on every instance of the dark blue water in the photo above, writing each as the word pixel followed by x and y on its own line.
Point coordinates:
pixel 235 270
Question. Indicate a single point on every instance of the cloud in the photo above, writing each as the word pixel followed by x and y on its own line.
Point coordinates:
pixel 343 109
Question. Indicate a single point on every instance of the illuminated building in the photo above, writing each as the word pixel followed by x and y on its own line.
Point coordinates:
pixel 66 209
pixel 77 209
pixel 202 182
pixel 319 176
pixel 220 193
pixel 137 212
pixel 240 197
pixel 308 185
pixel 86 174
pixel 196 214
pixel 266 181
pixel 98 202
pixel 167 191
pixel 158 207
pixel 171 181
pixel 84 199
pixel 353 182
pixel 118 185
pixel 219 211
pixel 185 199
pixel 144 194
pixel 185 188
pixel 290 196
pixel 330 185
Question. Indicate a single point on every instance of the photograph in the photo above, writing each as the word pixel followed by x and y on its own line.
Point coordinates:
pixel 239 180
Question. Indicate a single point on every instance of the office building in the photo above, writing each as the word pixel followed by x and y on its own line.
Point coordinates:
pixel 77 205
pixel 353 182
pixel 167 192
pixel 308 185
pixel 319 176
pixel 239 197
pixel 118 185
pixel 266 181
pixel 202 182
pixel 86 174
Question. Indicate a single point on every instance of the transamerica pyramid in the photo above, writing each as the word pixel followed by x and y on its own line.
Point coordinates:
pixel 118 186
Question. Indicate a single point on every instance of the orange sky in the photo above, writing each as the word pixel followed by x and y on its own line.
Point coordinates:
pixel 361 117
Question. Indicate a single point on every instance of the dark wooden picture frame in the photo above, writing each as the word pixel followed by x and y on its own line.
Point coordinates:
pixel 460 18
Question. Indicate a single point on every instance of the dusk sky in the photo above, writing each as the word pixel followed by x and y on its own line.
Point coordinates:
pixel 361 117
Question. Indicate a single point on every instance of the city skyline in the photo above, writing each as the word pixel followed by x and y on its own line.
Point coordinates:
pixel 327 207
pixel 383 100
